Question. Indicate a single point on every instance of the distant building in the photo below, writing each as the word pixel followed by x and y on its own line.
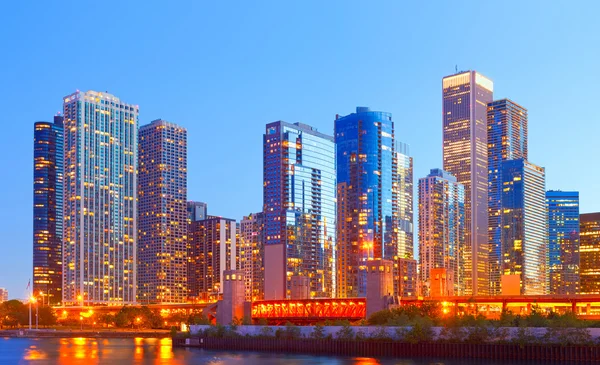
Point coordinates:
pixel 406 277
pixel 507 140
pixel 299 208
pixel 197 211
pixel 563 241
pixel 252 228
pixel 213 248
pixel 162 213
pixel 441 234
pixel 48 210
pixel 525 225
pixel 3 295
pixel 404 189
pixel 589 252
pixel 465 98
pixel 100 199
pixel 367 189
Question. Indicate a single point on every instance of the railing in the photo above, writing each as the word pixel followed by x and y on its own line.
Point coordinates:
pixel 500 351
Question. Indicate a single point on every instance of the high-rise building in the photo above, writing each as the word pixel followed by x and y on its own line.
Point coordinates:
pixel 563 241
pixel 299 207
pixel 524 226
pixel 48 210
pixel 465 98
pixel 162 213
pixel 507 140
pixel 100 193
pixel 197 211
pixel 252 228
pixel 589 252
pixel 367 198
pixel 3 295
pixel 213 248
pixel 442 232
pixel 404 188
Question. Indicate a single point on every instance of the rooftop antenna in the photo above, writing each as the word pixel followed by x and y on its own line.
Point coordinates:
pixel 456 68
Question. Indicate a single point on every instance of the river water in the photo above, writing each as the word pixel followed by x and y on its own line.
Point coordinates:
pixel 117 351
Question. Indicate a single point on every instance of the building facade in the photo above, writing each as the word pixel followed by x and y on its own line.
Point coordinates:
pixel 524 226
pixel 100 192
pixel 404 188
pixel 48 210
pixel 3 295
pixel 299 207
pixel 367 196
pixel 563 241
pixel 197 211
pixel 442 233
pixel 465 98
pixel 507 140
pixel 589 252
pixel 252 251
pixel 213 248
pixel 162 213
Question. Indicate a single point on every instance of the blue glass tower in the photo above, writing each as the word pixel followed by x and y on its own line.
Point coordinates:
pixel 507 140
pixel 48 210
pixel 367 198
pixel 299 209
pixel 563 241
pixel 524 226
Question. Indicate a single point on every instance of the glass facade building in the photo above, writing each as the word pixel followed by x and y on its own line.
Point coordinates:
pixel 197 211
pixel 507 140
pixel 100 199
pixel 367 196
pixel 525 225
pixel 48 210
pixel 213 248
pixel 252 229
pixel 442 231
pixel 299 207
pixel 404 188
pixel 162 213
pixel 563 241
pixel 465 97
pixel 589 251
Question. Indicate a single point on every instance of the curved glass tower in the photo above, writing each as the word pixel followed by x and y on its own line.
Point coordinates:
pixel 367 196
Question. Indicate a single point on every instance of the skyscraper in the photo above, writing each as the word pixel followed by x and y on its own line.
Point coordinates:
pixel 589 251
pixel 299 207
pixel 197 211
pixel 162 213
pixel 213 248
pixel 563 241
pixel 100 191
pixel 441 232
pixel 524 226
pixel 404 188
pixel 507 140
pixel 367 197
pixel 48 209
pixel 252 228
pixel 465 98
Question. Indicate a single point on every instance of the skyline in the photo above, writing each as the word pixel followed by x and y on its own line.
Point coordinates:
pixel 309 87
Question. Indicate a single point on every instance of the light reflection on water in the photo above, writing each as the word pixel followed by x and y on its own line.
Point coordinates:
pixel 117 351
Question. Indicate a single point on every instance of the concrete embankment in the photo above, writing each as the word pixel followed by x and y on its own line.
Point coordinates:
pixel 50 333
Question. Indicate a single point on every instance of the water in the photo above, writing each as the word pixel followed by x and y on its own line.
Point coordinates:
pixel 115 351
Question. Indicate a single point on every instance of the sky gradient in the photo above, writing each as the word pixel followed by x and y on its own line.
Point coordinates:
pixel 225 69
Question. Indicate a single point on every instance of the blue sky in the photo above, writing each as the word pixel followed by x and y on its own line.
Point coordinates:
pixel 224 69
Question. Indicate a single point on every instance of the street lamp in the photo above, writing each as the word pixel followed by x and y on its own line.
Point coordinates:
pixel 32 300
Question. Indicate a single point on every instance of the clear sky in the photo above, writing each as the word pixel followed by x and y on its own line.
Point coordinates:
pixel 224 69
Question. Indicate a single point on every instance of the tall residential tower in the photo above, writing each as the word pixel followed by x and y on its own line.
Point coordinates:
pixel 465 153
pixel 507 140
pixel 589 251
pixel 162 222
pixel 441 234
pixel 48 210
pixel 299 206
pixel 100 192
pixel 367 196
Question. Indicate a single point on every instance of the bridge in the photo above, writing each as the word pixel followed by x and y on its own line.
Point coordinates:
pixel 309 311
